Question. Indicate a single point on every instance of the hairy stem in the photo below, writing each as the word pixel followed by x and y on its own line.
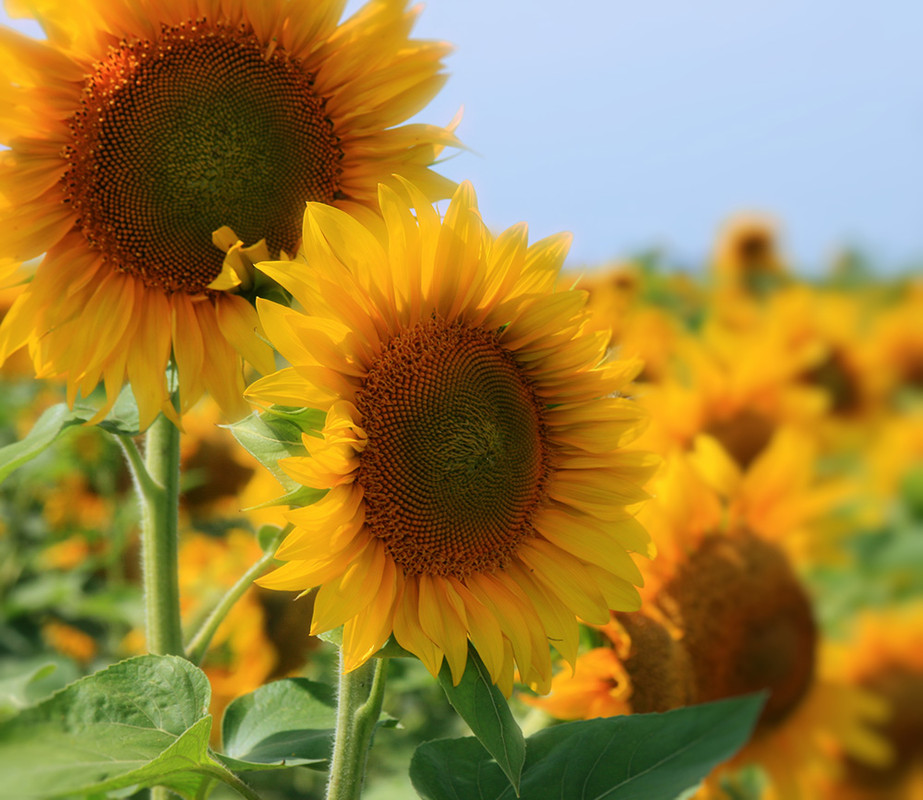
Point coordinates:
pixel 195 650
pixel 359 706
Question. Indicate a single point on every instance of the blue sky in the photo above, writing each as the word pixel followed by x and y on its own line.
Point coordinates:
pixel 645 124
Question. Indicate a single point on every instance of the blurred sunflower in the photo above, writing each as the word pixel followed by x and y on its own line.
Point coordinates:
pixel 736 385
pixel 886 657
pixel 897 341
pixel 638 330
pixel 472 446
pixel 641 668
pixel 149 140
pixel 726 614
pixel 747 258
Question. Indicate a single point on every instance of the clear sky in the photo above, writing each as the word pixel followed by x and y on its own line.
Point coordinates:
pixel 638 124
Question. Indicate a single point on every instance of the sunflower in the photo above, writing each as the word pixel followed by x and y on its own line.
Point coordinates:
pixel 738 386
pixel 747 259
pixel 725 614
pixel 642 667
pixel 729 582
pixel 886 656
pixel 149 140
pixel 477 488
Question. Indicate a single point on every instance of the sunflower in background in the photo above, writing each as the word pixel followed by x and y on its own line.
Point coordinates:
pixel 148 141
pixel 747 261
pixel 473 441
pixel 738 387
pixel 885 655
pixel 897 341
pixel 638 329
pixel 725 613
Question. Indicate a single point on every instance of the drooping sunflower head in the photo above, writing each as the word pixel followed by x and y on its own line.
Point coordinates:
pixel 477 489
pixel 148 141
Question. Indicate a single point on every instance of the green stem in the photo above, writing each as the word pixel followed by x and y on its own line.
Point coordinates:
pixel 195 650
pixel 359 706
pixel 157 481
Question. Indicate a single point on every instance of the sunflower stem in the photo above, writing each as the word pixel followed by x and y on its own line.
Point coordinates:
pixel 198 645
pixel 158 487
pixel 359 701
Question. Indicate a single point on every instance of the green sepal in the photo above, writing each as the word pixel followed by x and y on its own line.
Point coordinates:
pixel 275 434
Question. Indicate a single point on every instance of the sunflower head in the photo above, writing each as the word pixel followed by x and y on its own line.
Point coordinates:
pixel 747 254
pixel 476 486
pixel 154 150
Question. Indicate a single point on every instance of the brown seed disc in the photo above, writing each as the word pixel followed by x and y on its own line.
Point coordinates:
pixel 744 435
pixel 658 665
pixel 181 135
pixel 747 622
pixel 902 688
pixel 456 460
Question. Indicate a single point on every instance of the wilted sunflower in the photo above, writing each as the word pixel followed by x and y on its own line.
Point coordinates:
pixel 471 450
pixel 148 140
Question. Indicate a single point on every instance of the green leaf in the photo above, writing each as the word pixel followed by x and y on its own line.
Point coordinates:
pixel 14 687
pixel 273 435
pixel 482 705
pixel 282 724
pixel 122 419
pixel 142 722
pixel 47 428
pixel 636 757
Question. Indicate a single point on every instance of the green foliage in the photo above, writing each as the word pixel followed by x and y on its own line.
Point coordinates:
pixel 636 757
pixel 122 419
pixel 14 687
pixel 481 704
pixel 282 724
pixel 276 434
pixel 142 722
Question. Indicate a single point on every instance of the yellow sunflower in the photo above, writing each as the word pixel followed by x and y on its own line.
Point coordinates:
pixel 747 258
pixel 641 668
pixel 477 488
pixel 728 581
pixel 886 656
pixel 726 614
pixel 149 140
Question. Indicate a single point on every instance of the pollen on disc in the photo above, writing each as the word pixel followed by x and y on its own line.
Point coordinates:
pixel 181 135
pixel 457 459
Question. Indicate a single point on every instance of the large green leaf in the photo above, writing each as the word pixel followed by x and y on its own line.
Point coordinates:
pixel 284 723
pixel 482 705
pixel 636 757
pixel 141 722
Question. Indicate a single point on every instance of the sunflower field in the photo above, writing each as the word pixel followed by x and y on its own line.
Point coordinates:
pixel 313 484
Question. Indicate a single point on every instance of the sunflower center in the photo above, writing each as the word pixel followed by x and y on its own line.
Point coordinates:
pixel 196 129
pixel 456 460
pixel 903 690
pixel 838 380
pixel 748 623
pixel 658 665
pixel 744 435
